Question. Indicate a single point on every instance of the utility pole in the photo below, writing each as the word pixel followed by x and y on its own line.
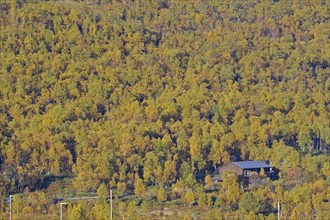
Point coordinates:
pixel 278 210
pixel 61 212
pixel 10 208
pixel 110 204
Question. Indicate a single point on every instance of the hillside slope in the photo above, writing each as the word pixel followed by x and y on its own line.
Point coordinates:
pixel 112 91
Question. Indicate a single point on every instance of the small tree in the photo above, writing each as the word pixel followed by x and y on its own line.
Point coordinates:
pixel 78 212
pixel 189 197
pixel 231 187
pixel 122 209
pixel 208 181
pixel 191 181
pixel 161 197
pixel 262 173
pixel 139 188
pixel 121 186
pixel 202 199
pixel 131 211
pixel 102 192
pixel 248 203
pixel 100 211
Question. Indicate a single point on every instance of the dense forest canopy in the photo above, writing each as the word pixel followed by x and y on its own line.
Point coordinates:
pixel 155 92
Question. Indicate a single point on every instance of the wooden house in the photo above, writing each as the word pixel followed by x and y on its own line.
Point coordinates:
pixel 244 169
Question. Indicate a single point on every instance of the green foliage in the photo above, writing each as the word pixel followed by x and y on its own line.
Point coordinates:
pixel 151 164
pixel 161 197
pixel 102 91
pixel 189 197
pixel 139 188
pixel 100 211
pixel 230 187
pixel 187 217
pixel 102 192
pixel 78 211
pixel 248 203
pixel 121 186
pixel 202 199
pixel 208 181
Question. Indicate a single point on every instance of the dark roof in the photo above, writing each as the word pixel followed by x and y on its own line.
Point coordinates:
pixel 251 164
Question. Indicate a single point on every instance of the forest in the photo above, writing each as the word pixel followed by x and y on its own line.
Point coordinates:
pixel 148 98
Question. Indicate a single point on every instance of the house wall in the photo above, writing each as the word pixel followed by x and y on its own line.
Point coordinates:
pixel 231 167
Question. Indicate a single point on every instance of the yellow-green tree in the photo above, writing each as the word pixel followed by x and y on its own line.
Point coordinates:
pixel 139 187
pixel 189 197
pixel 231 187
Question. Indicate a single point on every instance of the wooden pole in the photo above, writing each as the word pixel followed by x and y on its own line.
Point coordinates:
pixel 61 216
pixel 10 209
pixel 61 210
pixel 278 210
pixel 110 204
